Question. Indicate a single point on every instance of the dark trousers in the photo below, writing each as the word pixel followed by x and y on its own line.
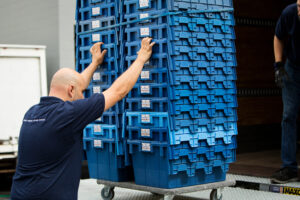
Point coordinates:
pixel 291 103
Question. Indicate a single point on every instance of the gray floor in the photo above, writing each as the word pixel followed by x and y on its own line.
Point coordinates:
pixel 90 190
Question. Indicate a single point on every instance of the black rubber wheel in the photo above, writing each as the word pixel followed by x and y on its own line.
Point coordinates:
pixel 107 193
pixel 156 194
pixel 214 195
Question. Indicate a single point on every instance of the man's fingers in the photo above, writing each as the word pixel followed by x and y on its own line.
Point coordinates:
pixel 152 44
pixel 99 43
pixel 104 52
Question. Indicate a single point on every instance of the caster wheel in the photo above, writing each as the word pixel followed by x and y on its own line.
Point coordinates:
pixel 156 194
pixel 214 195
pixel 107 193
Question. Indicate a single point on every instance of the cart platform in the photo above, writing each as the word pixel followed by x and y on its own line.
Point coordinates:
pixel 107 192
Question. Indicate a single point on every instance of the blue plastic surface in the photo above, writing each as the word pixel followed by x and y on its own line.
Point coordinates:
pixel 184 103
pixel 103 162
pixel 152 167
pixel 150 104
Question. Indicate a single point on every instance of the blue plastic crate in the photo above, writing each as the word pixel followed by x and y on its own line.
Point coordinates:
pixel 107 133
pixel 152 168
pixel 109 64
pixel 111 51
pixel 149 90
pixel 156 61
pixel 213 68
pixel 201 125
pixel 153 75
pixel 153 119
pixel 185 150
pixel 157 32
pixel 141 18
pixel 104 77
pixel 199 4
pixel 110 117
pixel 131 48
pixel 94 24
pixel 184 165
pixel 147 133
pixel 150 104
pixel 98 10
pixel 103 162
pixel 176 93
pixel 107 37
pixel 136 6
pixel 185 134
pixel 102 131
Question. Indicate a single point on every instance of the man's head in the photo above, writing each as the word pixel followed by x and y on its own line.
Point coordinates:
pixel 67 84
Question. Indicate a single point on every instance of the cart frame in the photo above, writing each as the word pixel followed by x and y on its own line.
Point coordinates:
pixel 107 192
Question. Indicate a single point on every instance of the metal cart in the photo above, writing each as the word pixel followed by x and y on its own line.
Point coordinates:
pixel 108 193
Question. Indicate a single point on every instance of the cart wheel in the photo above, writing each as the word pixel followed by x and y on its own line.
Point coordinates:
pixel 156 194
pixel 214 195
pixel 107 193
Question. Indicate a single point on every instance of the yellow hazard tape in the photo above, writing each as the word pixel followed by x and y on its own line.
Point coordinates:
pixel 291 191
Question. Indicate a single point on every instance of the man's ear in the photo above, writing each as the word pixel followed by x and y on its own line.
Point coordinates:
pixel 71 91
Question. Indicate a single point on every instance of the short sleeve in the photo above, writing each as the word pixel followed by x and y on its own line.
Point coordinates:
pixel 281 27
pixel 87 110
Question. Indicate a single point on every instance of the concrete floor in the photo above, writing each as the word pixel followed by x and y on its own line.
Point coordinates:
pixel 89 190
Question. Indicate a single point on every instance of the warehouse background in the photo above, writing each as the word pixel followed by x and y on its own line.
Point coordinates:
pixel 51 23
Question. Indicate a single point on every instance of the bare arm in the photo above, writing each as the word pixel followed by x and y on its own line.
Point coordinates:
pixel 97 59
pixel 121 87
pixel 278 49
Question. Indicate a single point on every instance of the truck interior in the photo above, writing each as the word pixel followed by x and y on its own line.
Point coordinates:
pixel 259 100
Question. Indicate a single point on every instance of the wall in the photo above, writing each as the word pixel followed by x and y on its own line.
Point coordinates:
pixel 32 22
pixel 66 9
pixel 41 22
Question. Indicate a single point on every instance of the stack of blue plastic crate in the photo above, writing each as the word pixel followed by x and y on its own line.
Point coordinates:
pixel 102 139
pixel 181 115
pixel 179 123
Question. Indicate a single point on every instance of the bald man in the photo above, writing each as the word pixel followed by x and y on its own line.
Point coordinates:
pixel 50 142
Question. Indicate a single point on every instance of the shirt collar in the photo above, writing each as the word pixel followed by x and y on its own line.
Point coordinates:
pixel 50 99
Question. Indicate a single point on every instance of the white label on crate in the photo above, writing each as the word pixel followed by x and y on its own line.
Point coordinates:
pixel 144 15
pixel 144 3
pixel 145 118
pixel 96 11
pixel 96 37
pixel 145 103
pixel 146 147
pixel 97 143
pixel 145 75
pixel 95 24
pixel 145 132
pixel 145 31
pixel 96 76
pixel 147 63
pixel 97 128
pixel 145 89
pixel 99 119
pixel 96 89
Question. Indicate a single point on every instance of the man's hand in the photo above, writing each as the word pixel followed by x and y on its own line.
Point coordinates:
pixel 97 54
pixel 145 52
pixel 280 74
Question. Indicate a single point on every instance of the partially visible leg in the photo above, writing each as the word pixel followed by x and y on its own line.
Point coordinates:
pixel 291 103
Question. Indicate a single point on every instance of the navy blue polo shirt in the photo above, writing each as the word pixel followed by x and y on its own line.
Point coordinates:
pixel 50 148
pixel 288 26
